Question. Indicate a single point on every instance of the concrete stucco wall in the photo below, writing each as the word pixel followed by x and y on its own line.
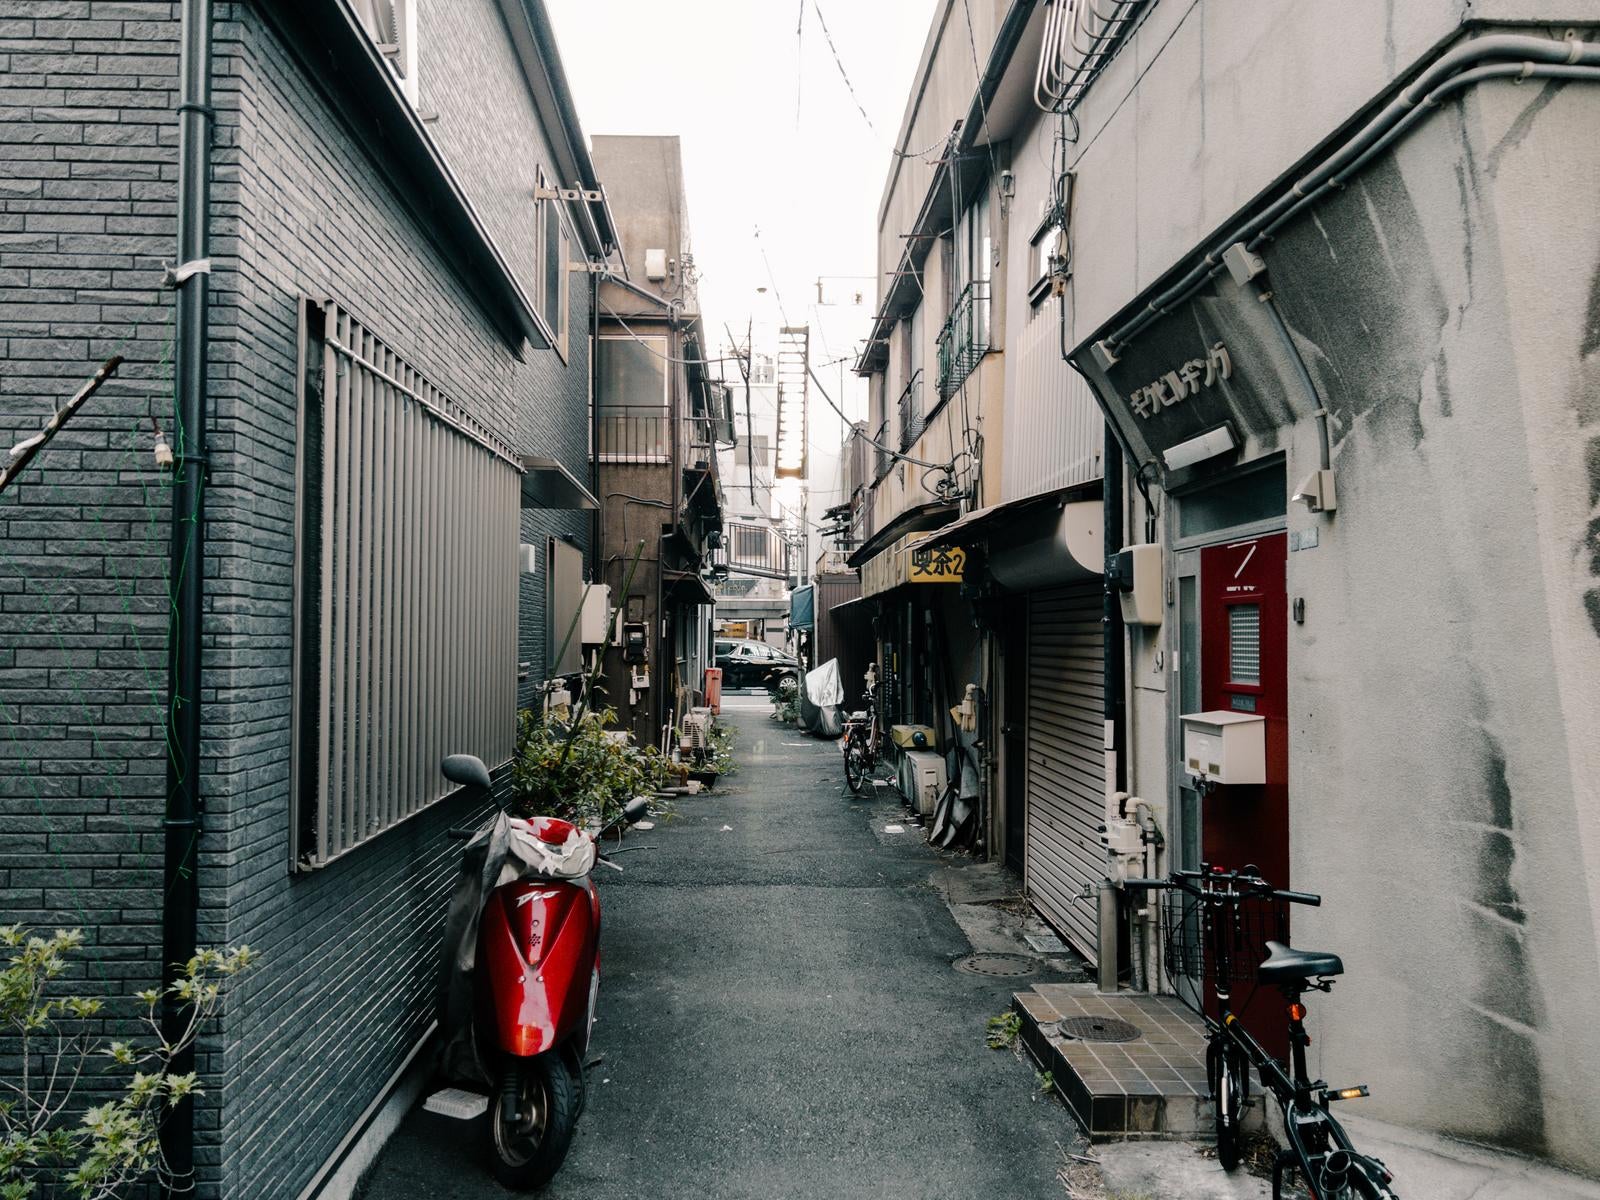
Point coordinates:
pixel 1444 689
pixel 1207 104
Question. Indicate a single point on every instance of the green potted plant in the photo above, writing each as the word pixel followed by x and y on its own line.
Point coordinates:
pixel 579 768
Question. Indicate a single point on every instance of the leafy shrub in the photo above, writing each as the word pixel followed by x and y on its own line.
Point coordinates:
pixel 579 769
pixel 114 1145
pixel 719 753
pixel 785 697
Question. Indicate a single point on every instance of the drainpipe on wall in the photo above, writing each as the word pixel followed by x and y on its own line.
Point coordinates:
pixel 180 879
pixel 597 550
pixel 1109 898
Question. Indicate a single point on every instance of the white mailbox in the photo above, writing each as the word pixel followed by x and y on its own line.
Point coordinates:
pixel 1222 746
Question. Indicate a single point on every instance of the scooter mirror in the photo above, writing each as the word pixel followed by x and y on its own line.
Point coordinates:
pixel 467 770
pixel 636 810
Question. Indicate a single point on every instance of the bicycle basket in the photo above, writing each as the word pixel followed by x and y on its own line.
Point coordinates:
pixel 1247 925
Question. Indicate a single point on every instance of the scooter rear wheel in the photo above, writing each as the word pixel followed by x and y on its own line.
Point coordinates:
pixel 528 1151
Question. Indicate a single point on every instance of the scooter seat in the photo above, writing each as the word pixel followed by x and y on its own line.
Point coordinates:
pixel 1285 964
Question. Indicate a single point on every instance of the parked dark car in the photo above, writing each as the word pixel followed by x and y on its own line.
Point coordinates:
pixel 747 663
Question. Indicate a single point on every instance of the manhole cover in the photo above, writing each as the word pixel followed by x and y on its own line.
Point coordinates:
pixel 1097 1029
pixel 1005 966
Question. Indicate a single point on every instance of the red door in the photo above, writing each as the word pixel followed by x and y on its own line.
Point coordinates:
pixel 1244 646
pixel 1244 631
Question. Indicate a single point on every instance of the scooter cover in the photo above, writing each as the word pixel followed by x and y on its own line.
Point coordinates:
pixel 503 851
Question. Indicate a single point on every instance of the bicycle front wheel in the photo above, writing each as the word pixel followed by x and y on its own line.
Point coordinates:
pixel 1230 1089
pixel 855 767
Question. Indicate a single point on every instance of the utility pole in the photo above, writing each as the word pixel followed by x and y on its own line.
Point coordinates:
pixel 746 365
pixel 181 888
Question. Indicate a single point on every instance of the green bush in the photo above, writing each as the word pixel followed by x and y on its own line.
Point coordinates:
pixel 113 1145
pixel 719 753
pixel 579 769
pixel 785 697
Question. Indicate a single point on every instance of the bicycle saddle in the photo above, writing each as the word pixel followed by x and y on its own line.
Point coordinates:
pixel 1285 963
pixel 856 716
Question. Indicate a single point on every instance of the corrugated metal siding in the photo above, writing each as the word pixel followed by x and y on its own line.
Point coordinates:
pixel 1066 765
pixel 1054 434
pixel 830 641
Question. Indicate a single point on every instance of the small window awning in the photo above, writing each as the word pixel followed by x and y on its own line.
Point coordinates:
pixel 685 587
pixel 546 483
pixel 979 521
pixel 1038 541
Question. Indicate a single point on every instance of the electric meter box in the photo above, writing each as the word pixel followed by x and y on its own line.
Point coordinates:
pixel 1139 582
pixel 1225 747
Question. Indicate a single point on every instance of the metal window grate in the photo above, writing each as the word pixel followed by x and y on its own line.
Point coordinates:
pixel 406 591
pixel 1244 643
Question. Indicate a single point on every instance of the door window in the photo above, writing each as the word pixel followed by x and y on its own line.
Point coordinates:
pixel 1244 644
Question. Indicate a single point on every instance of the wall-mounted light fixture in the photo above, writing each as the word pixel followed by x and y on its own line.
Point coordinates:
pixel 1197 449
pixel 1318 492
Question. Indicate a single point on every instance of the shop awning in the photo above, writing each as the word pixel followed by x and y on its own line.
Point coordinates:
pixel 977 523
pixel 913 520
pixel 1039 541
pixel 802 608
pixel 861 606
pixel 685 587
pixel 546 483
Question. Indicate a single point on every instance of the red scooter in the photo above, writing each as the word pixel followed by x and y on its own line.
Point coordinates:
pixel 535 975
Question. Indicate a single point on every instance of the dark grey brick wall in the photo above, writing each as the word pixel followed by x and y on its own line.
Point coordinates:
pixel 87 160
pixel 351 952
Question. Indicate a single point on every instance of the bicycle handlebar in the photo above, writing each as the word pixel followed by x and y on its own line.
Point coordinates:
pixel 1307 898
pixel 1253 884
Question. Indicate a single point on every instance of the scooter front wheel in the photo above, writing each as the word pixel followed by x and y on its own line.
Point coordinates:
pixel 531 1121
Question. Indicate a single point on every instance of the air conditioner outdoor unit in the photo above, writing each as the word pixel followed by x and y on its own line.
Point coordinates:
pixel 696 729
pixel 922 779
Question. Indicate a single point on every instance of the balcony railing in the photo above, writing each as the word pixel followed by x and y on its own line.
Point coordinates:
pixel 756 549
pixel 964 340
pixel 912 421
pixel 642 433
pixel 634 433
pixel 701 435
pixel 884 459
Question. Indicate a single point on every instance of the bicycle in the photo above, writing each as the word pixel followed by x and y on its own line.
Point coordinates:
pixel 862 743
pixel 1218 923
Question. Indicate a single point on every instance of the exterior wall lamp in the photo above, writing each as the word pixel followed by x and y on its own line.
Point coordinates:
pixel 1318 493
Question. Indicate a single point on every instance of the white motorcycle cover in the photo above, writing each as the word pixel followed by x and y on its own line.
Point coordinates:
pixel 503 851
pixel 822 701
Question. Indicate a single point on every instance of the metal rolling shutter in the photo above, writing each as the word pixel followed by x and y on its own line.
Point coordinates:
pixel 1066 757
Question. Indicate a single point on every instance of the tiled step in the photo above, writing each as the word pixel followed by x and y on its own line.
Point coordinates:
pixel 1151 1087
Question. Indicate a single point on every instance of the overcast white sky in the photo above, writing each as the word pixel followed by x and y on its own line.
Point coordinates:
pixel 772 140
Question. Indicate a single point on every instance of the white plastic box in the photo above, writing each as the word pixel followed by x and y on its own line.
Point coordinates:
pixel 1225 747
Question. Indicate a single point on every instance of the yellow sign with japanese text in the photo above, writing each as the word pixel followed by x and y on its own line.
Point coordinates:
pixel 937 564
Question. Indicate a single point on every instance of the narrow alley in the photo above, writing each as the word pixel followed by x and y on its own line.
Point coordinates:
pixel 779 1015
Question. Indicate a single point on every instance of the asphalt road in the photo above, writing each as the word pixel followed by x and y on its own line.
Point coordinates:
pixel 779 1017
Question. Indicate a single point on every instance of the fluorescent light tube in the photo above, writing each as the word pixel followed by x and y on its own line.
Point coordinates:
pixel 1197 449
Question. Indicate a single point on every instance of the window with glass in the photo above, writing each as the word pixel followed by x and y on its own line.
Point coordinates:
pixel 552 252
pixel 631 399
pixel 964 340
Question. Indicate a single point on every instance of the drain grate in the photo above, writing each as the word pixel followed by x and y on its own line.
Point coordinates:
pixel 1097 1029
pixel 1002 966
